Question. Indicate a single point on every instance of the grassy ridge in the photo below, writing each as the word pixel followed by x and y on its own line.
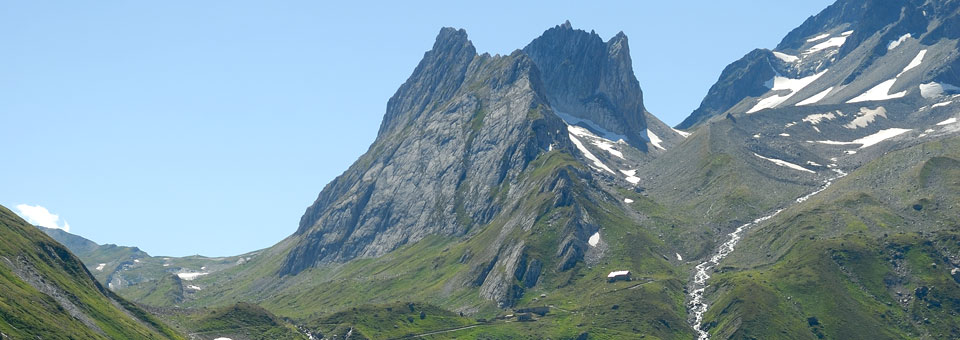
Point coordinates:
pixel 870 258
pixel 30 261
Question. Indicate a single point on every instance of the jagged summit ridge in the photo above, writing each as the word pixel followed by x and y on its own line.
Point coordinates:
pixel 462 127
pixel 588 78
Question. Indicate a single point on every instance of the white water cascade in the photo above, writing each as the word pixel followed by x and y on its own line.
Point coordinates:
pixel 697 306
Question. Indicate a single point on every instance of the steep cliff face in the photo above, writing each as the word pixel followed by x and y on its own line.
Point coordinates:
pixel 587 78
pixel 459 130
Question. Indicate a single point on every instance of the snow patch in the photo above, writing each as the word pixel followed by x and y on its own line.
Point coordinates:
pixel 879 92
pixel 600 142
pixel 682 133
pixel 594 239
pixel 879 137
pixel 627 200
pixel 679 258
pixel 819 37
pixel 608 147
pixel 136 261
pixel 815 98
pixel 586 153
pixel 894 43
pixel 813 163
pixel 913 63
pixel 829 43
pixel 934 89
pixel 631 176
pixel 781 83
pixel 654 140
pixel 194 287
pixel 604 133
pixel 784 163
pixel 947 122
pixel 815 119
pixel 189 276
pixel 784 135
pixel 785 57
pixel 941 104
pixel 100 267
pixel 866 116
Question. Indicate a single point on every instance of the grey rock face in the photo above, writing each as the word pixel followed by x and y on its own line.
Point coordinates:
pixel 455 132
pixel 590 79
pixel 744 78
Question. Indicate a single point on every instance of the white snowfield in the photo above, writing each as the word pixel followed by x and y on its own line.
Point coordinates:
pixel 100 266
pixel 815 98
pixel 882 91
pixel 682 133
pixel 867 141
pixel 784 163
pixel 894 43
pixel 815 119
pixel 941 104
pixel 594 239
pixel 880 136
pixel 829 43
pixel 604 133
pixel 654 140
pixel 866 116
pixel 913 63
pixel 627 200
pixel 785 57
pixel 600 142
pixel 819 37
pixel 879 92
pixel 189 276
pixel 947 122
pixel 631 176
pixel 934 89
pixel 781 83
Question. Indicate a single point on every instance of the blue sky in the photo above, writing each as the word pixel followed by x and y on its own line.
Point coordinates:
pixel 188 127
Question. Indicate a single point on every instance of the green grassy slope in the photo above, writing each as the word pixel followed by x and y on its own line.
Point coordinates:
pixel 441 271
pixel 240 321
pixel 870 258
pixel 47 293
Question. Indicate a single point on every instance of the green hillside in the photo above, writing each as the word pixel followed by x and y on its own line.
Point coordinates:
pixel 49 294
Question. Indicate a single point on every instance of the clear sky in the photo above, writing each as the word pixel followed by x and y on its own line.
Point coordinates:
pixel 188 127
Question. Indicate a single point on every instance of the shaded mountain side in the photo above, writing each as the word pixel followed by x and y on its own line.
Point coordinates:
pixel 48 293
pixel 854 51
pixel 874 256
pixel 590 79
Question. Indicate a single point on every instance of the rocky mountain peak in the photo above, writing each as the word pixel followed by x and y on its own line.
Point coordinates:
pixel 436 79
pixel 589 79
